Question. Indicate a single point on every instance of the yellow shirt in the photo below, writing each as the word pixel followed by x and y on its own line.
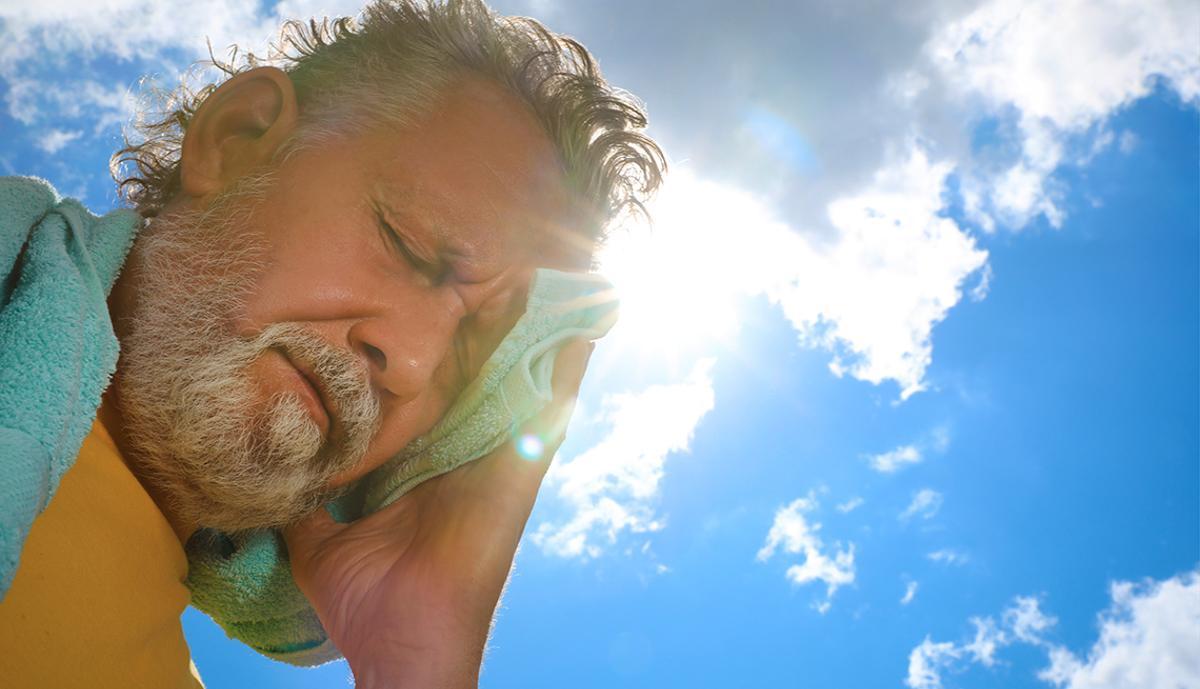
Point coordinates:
pixel 97 596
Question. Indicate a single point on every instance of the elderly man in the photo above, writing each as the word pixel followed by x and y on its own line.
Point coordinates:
pixel 324 256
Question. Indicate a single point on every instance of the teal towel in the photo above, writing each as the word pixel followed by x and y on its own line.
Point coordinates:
pixel 243 581
pixel 57 347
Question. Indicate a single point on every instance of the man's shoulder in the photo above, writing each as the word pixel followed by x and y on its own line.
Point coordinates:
pixel 23 201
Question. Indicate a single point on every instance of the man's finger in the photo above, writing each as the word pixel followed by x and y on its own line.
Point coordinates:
pixel 569 368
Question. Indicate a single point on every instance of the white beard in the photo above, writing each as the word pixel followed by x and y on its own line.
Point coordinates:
pixel 197 427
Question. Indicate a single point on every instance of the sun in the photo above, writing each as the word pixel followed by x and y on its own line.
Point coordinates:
pixel 681 279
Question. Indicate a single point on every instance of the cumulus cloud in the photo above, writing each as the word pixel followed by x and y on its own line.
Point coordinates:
pixel 925 504
pixel 611 487
pixel 872 293
pixel 895 269
pixel 793 533
pixel 1060 68
pixel 1147 640
pixel 910 592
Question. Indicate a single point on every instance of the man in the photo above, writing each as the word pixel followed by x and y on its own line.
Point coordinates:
pixel 330 252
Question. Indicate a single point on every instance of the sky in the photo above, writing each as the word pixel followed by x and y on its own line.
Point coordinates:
pixel 905 389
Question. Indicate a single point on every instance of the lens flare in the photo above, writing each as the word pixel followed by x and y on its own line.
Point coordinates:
pixel 530 447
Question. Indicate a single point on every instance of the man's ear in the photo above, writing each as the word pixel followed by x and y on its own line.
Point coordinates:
pixel 238 127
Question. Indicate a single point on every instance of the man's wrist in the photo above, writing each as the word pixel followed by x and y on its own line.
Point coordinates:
pixel 415 673
pixel 446 665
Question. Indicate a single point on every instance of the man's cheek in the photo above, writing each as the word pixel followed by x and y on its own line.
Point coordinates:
pixel 398 427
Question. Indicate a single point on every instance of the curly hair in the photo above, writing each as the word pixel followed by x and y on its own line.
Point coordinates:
pixel 390 65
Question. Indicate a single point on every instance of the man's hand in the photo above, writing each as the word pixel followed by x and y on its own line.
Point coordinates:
pixel 407 594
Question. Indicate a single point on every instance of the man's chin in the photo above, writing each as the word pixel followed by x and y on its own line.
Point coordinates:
pixel 266 510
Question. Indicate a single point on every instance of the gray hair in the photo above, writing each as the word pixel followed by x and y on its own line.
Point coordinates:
pixel 392 64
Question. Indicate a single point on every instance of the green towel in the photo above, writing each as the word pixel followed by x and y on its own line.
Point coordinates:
pixel 57 347
pixel 243 580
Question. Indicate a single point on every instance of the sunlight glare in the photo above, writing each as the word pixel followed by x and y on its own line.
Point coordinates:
pixel 679 280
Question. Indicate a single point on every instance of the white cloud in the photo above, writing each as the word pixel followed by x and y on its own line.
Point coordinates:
pixel 1026 620
pixel 871 293
pixel 850 505
pixel 890 462
pixel 1071 62
pixel 927 661
pixel 792 533
pixel 910 592
pixel 1149 638
pixel 1061 66
pixel 55 140
pixel 925 504
pixel 611 486
pixel 937 440
pixel 1022 621
pixel 62 39
pixel 988 638
pixel 894 271
pixel 948 556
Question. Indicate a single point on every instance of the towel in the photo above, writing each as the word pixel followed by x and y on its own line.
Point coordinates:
pixel 57 346
pixel 243 580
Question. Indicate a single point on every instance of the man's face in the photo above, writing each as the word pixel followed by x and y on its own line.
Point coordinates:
pixel 286 343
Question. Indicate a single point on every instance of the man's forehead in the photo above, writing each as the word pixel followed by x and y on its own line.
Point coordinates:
pixel 482 229
pixel 476 165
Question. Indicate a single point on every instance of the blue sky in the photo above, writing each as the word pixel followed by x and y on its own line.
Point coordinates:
pixel 905 390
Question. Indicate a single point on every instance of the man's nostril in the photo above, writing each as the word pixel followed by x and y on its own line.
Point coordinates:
pixel 376 355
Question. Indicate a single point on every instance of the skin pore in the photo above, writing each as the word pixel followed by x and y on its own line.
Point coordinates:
pixel 327 308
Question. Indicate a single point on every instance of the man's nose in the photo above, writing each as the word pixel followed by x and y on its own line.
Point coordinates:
pixel 404 344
